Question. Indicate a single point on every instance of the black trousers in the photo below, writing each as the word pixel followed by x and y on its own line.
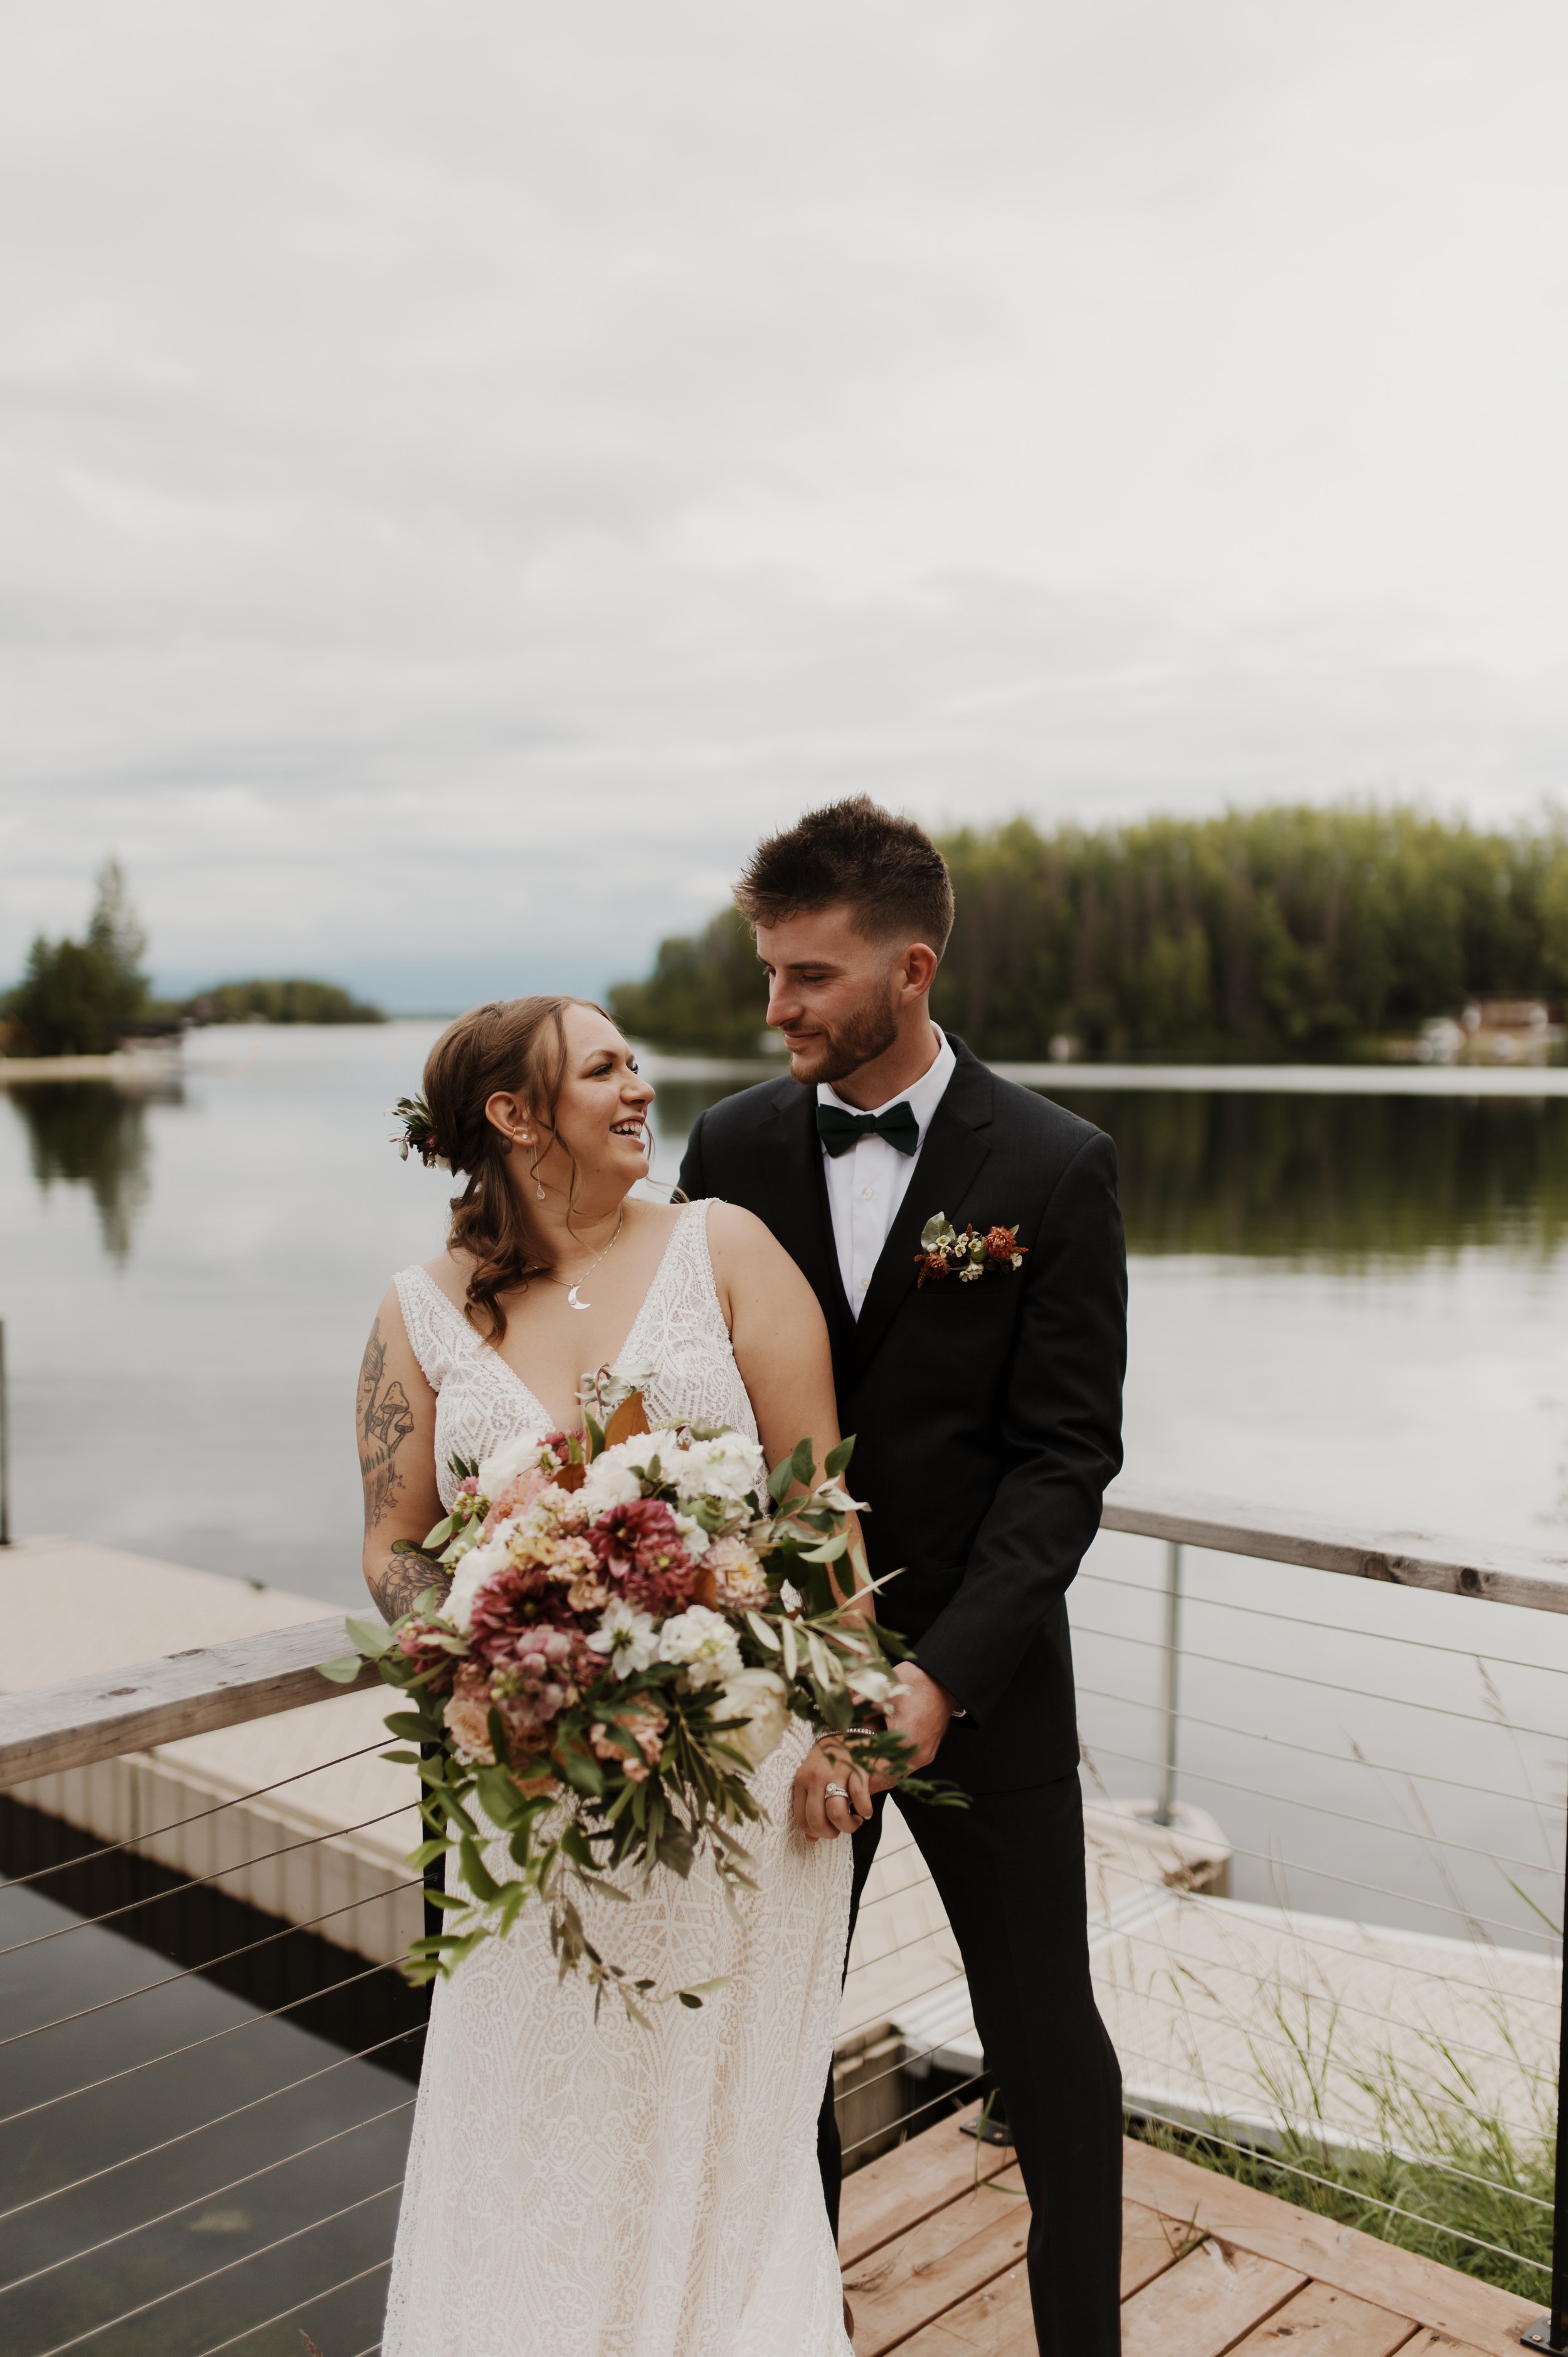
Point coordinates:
pixel 1010 1871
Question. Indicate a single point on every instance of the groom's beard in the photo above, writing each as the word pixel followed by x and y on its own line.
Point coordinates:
pixel 834 1054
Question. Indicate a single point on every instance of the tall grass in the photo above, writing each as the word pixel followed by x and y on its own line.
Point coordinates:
pixel 1439 2173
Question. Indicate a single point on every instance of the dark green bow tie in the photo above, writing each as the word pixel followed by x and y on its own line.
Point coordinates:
pixel 839 1131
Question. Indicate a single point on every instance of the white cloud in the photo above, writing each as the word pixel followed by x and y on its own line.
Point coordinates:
pixel 466 471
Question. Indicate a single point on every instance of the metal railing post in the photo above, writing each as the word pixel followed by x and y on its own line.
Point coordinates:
pixel 4 1450
pixel 1165 1813
pixel 1551 2331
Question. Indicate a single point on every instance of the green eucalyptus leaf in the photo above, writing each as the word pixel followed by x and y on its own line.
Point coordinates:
pixel 343 1671
pixel 374 1638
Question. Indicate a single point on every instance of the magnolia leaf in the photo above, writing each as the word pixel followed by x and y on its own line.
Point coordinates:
pixel 828 1551
pixel 573 1476
pixel 594 1431
pixel 761 1631
pixel 791 1658
pixel 628 1420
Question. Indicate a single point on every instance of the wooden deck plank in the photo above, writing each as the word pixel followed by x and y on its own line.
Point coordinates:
pixel 1322 2322
pixel 1475 2314
pixel 1203 2305
pixel 1150 2244
pixel 913 2182
pixel 996 2321
pixel 1438 2344
pixel 936 2264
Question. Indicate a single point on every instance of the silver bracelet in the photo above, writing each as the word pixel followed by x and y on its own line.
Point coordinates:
pixel 839 1735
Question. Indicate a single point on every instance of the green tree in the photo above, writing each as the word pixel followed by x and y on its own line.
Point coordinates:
pixel 78 998
pixel 1292 933
pixel 288 1001
pixel 706 993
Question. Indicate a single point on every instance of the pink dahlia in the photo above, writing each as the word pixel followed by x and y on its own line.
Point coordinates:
pixel 641 1551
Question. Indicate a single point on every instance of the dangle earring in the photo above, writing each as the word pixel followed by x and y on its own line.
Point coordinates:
pixel 538 1182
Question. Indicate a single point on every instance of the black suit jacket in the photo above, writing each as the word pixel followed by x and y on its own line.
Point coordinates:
pixel 987 1416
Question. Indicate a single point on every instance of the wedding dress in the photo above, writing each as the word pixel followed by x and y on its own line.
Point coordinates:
pixel 587 2188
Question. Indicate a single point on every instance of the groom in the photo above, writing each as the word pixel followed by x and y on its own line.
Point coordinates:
pixel 987 1416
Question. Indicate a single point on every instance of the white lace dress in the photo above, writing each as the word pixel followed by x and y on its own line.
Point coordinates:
pixel 595 2189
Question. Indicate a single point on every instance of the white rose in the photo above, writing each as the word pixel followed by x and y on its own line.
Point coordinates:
pixel 505 1463
pixel 704 1643
pixel 725 1469
pixel 693 1537
pixel 628 1637
pixel 760 1698
pixel 610 1481
pixel 472 1573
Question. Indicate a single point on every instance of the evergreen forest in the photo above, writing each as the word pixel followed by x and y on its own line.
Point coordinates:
pixel 1290 933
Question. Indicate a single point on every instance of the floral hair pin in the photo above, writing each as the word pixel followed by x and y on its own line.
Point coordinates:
pixel 965 1253
pixel 416 1132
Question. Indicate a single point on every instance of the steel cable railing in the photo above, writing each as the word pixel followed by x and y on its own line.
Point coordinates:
pixel 196 1881
pixel 217 2348
pixel 918 2065
pixel 1316 1808
pixel 208 2193
pixel 192 1972
pixel 132 1845
pixel 203 2127
pixel 174 2054
pixel 194 2283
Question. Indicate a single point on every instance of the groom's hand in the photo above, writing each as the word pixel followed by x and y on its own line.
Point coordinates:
pixel 918 1712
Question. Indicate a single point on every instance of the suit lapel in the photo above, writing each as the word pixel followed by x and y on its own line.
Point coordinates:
pixel 954 1152
pixel 799 1215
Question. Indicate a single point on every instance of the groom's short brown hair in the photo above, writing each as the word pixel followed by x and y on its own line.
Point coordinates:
pixel 888 869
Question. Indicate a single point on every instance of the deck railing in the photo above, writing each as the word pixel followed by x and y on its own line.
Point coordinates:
pixel 1226 2009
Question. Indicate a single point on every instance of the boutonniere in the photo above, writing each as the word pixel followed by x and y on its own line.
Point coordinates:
pixel 965 1253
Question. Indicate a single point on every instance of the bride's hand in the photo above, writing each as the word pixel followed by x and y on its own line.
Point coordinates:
pixel 832 1796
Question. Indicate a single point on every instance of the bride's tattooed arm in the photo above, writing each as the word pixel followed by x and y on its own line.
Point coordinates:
pixel 396 1571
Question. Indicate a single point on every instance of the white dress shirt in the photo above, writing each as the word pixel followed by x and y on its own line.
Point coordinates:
pixel 866 1185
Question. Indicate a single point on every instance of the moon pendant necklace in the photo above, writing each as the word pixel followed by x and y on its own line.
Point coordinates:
pixel 577 1283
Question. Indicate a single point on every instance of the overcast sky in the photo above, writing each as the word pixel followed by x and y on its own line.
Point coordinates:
pixel 466 468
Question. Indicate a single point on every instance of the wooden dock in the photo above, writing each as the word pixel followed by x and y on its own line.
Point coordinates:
pixel 933 2235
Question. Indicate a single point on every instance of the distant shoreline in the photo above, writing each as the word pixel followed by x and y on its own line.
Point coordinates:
pixel 141 1065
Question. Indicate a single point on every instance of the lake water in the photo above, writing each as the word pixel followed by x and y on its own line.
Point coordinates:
pixel 1354 1303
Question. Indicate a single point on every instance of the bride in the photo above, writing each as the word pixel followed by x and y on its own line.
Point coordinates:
pixel 583 2188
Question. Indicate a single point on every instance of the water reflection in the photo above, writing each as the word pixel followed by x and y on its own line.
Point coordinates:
pixel 92 1134
pixel 1335 1181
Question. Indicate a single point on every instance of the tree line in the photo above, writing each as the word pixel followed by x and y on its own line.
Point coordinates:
pixel 1295 932
pixel 84 998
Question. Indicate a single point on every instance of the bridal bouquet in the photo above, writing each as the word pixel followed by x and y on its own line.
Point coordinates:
pixel 634 1615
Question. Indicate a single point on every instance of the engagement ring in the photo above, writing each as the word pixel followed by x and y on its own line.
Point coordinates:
pixel 835 1792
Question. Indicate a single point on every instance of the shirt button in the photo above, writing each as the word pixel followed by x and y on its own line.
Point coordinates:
pixel 864 1283
pixel 866 1194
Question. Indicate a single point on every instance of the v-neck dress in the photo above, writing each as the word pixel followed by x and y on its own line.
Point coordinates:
pixel 583 2189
